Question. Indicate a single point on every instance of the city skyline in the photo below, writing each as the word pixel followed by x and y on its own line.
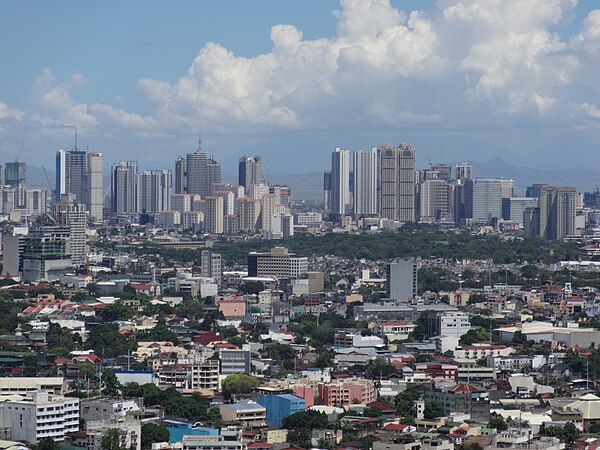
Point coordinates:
pixel 537 95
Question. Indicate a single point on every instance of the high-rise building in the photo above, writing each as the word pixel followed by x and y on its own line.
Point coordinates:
pixel 73 215
pixel 397 177
pixel 250 171
pixel 401 281
pixel 213 215
pixel 514 208
pixel 435 198
pixel 180 175
pixel 365 181
pixel 211 265
pixel 95 187
pixel 339 197
pixel 557 211
pixel 123 187
pixel 35 202
pixel 71 174
pixel 267 209
pixel 201 172
pixel 483 199
pixel 15 173
pixel 444 171
pixel 464 171
pixel 534 191
pixel 154 190
pixel 507 188
pixel 249 212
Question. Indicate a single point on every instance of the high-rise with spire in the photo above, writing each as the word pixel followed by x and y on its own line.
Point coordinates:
pixel 201 172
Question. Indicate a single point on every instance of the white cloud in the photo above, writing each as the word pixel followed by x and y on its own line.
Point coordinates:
pixel 465 64
pixel 8 113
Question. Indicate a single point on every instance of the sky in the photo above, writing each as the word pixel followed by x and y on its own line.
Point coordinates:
pixel 291 80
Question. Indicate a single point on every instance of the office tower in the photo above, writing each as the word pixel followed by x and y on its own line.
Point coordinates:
pixel 464 171
pixel 435 198
pixel 249 212
pixel 401 281
pixel 35 202
pixel 201 172
pixel 213 215
pixel 483 200
pixel 365 181
pixel 15 173
pixel 534 191
pixel 557 211
pixel 327 190
pixel 211 265
pixel 339 197
pixel 123 187
pixel 154 191
pixel 514 208
pixel 95 187
pixel 250 171
pixel 71 174
pixel 444 171
pixel 397 178
pixel 69 214
pixel 531 221
pixel 180 175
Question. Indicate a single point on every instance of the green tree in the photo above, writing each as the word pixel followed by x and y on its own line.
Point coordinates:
pixel 237 384
pixel 132 390
pixel 110 384
pixel 432 410
pixel 301 424
pixel 111 440
pixel 404 401
pixel 498 423
pixel 45 444
pixel 87 369
pixel 152 433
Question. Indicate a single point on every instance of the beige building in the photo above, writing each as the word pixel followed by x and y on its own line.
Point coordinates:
pixel 250 415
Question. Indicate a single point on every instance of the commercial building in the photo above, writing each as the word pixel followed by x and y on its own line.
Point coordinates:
pixel 41 416
pixel 201 172
pixel 397 182
pixel 278 263
pixel 462 398
pixel 557 212
pixel 402 279
pixel 435 201
pixel 365 181
pixel 73 215
pixel 281 406
pixel 234 361
pixel 514 208
pixel 95 179
pixel 249 171
pixel 28 385
pixel 249 415
pixel 570 336
pixel 483 200
pixel 449 324
pixel 211 265
pixel 154 191
pixel 338 189
pixel 124 188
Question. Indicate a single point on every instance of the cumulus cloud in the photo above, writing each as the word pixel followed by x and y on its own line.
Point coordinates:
pixel 463 64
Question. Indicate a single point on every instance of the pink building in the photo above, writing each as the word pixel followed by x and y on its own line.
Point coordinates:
pixel 346 392
pixel 307 393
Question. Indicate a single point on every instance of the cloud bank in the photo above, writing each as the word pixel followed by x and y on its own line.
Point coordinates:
pixel 466 64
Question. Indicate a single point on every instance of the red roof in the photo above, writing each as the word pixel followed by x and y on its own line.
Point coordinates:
pixel 259 445
pixel 465 387
pixel 395 427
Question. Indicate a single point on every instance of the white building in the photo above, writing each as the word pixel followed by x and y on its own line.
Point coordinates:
pixel 42 416
pixel 365 181
pixel 452 324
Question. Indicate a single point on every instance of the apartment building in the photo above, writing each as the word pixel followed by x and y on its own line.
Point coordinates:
pixel 347 391
pixel 204 375
pixel 42 416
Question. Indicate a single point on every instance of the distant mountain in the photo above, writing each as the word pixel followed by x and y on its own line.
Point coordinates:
pixel 584 180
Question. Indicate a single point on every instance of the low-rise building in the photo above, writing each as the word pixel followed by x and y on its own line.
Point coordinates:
pixel 249 415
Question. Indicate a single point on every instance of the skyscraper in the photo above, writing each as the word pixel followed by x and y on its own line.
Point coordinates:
pixel 249 171
pixel 154 190
pixel 95 188
pixel 397 178
pixel 123 187
pixel 365 181
pixel 401 279
pixel 557 211
pixel 69 214
pixel 213 215
pixel 201 172
pixel 435 201
pixel 71 174
pixel 339 197
pixel 483 199
pixel 180 175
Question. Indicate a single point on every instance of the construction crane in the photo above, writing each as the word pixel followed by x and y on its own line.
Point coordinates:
pixel 53 191
pixel 18 155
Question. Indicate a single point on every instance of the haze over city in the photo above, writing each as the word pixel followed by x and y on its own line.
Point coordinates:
pixel 459 80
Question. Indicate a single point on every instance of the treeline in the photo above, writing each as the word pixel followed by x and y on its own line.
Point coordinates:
pixel 424 242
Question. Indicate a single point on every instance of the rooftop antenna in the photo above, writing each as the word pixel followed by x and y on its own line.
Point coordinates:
pixel 75 147
pixel 199 150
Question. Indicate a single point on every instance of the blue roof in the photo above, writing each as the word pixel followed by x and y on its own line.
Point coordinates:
pixel 243 406
pixel 290 396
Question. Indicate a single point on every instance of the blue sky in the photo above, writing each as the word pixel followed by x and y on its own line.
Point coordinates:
pixel 461 79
